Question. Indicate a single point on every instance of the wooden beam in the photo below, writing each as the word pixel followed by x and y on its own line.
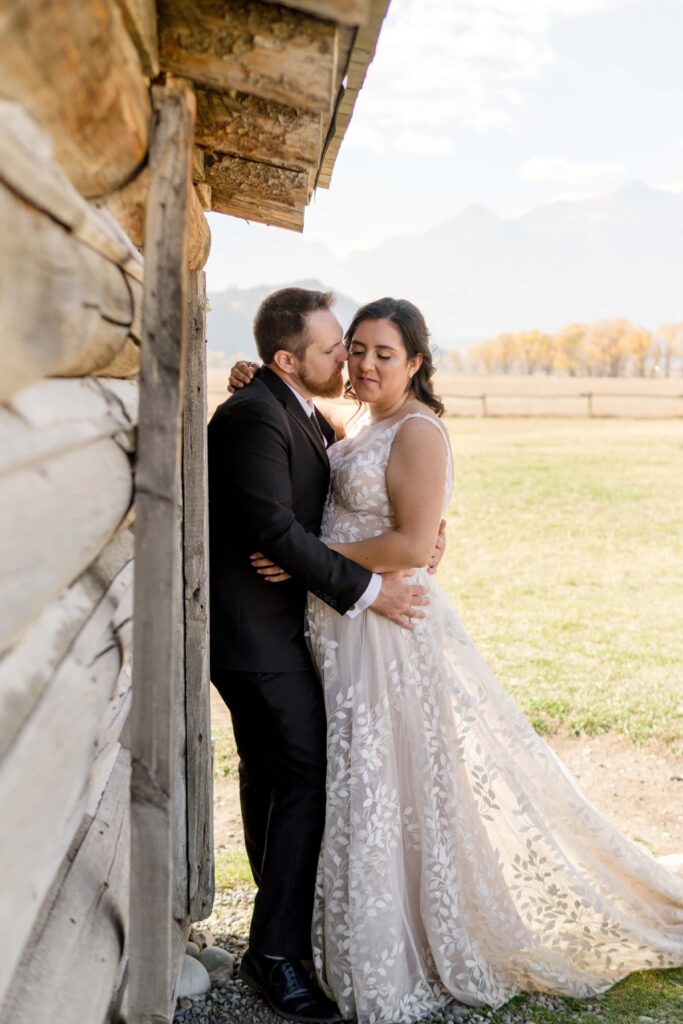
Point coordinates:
pixel 74 68
pixel 68 975
pixel 262 211
pixel 140 19
pixel 152 964
pixel 255 47
pixel 346 12
pixel 259 192
pixel 196 592
pixel 256 129
pixel 246 180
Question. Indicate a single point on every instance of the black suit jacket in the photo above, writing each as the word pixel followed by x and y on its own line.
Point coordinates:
pixel 268 479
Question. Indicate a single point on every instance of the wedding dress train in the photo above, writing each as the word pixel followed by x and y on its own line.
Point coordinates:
pixel 459 859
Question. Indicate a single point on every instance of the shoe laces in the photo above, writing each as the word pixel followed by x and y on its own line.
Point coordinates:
pixel 291 976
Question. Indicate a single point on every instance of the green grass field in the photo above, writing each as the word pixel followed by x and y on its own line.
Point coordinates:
pixel 565 563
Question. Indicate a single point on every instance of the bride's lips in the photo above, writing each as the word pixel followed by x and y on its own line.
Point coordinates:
pixel 366 380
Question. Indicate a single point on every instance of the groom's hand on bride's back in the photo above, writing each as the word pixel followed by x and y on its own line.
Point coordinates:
pixel 241 373
pixel 399 600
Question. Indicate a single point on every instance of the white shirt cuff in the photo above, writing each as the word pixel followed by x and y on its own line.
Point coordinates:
pixel 367 597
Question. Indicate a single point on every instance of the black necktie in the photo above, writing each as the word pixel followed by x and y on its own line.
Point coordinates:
pixel 316 426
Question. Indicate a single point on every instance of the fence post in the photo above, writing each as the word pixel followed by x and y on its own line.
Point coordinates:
pixel 484 408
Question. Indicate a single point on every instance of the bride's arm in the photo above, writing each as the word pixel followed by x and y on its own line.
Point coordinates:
pixel 416 479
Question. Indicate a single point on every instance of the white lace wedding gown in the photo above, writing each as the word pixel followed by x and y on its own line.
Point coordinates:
pixel 459 857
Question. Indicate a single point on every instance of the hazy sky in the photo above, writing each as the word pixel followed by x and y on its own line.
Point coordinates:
pixel 505 104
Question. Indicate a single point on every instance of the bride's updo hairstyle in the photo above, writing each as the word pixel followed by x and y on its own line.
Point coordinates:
pixel 415 335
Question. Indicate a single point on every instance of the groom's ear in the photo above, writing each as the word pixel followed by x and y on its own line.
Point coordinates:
pixel 285 361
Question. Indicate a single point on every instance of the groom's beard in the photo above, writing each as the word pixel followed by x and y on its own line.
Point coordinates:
pixel 330 388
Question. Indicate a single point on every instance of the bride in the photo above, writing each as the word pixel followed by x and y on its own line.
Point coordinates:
pixel 459 859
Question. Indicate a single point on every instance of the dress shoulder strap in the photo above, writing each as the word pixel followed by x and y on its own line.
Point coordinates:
pixel 438 425
pixel 423 416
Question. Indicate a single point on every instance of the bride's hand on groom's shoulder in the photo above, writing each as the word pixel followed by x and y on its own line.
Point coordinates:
pixel 241 373
pixel 438 550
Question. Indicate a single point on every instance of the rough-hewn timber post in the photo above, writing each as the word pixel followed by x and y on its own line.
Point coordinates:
pixel 196 540
pixel 152 957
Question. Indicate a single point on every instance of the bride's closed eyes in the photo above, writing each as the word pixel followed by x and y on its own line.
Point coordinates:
pixel 358 350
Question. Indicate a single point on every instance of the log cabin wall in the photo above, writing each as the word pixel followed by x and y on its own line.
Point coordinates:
pixel 121 123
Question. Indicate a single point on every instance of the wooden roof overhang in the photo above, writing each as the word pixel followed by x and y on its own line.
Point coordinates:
pixel 275 86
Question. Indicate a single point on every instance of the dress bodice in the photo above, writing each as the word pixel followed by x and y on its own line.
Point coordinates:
pixel 358 504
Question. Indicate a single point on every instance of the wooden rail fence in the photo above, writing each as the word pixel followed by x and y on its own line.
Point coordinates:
pixel 589 396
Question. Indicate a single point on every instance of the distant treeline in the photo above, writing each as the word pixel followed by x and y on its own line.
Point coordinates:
pixel 607 348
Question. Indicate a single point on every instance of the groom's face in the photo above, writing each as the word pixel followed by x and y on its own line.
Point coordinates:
pixel 320 370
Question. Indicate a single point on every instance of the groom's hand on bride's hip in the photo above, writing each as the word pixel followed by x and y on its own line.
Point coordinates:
pixel 399 600
pixel 241 373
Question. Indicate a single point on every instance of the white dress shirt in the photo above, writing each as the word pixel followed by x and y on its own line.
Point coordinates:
pixel 375 585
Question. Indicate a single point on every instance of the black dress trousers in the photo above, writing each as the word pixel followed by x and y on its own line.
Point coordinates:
pixel 279 724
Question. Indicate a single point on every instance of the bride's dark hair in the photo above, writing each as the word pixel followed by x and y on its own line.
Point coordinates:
pixel 415 335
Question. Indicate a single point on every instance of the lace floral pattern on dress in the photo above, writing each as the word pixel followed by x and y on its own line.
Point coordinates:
pixel 460 859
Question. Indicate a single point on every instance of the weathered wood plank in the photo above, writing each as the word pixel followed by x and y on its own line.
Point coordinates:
pixel 57 743
pixel 196 602
pixel 198 233
pixel 140 19
pixel 179 834
pixel 252 46
pixel 74 68
pixel 69 972
pixel 55 518
pixel 346 12
pixel 262 211
pixel 152 966
pixel 71 280
pixel 246 126
pixel 26 669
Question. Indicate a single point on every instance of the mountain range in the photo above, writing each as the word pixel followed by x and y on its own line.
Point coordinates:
pixel 478 274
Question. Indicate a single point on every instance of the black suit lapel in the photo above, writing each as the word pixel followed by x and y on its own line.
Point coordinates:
pixel 293 406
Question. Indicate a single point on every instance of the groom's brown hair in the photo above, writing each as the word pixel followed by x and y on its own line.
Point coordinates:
pixel 280 321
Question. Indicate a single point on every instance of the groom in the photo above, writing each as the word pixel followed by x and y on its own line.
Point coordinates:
pixel 268 479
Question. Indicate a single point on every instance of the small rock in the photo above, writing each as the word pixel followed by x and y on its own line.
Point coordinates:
pixel 185 1004
pixel 192 949
pixel 194 979
pixel 646 1020
pixel 202 937
pixel 213 957
pixel 221 975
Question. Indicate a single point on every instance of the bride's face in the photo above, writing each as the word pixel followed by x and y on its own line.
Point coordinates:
pixel 379 367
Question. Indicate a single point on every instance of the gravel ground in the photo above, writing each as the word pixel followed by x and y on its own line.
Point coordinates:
pixel 234 1003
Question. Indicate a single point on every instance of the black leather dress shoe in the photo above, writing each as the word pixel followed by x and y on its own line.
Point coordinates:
pixel 288 989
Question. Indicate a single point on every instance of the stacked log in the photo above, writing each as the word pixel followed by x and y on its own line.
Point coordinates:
pixel 66 585
pixel 71 297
